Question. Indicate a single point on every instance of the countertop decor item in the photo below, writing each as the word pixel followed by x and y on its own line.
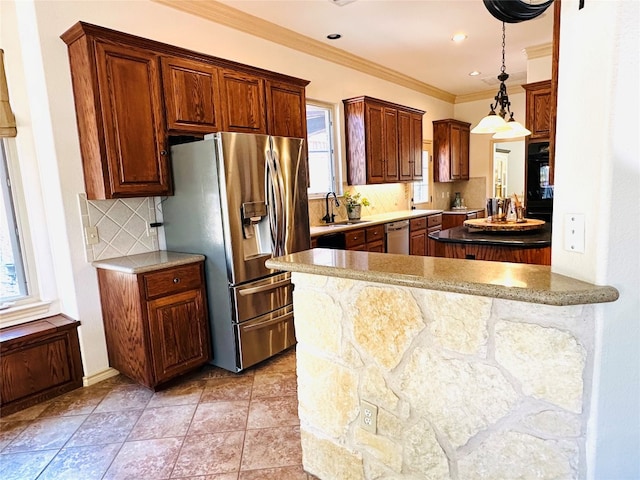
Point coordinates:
pixel 484 224
pixel 354 203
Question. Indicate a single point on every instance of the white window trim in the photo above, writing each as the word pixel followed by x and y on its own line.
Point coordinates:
pixel 336 153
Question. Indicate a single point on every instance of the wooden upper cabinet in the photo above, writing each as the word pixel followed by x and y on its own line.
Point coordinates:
pixel 286 110
pixel 243 102
pixel 120 117
pixel 390 145
pixel 191 96
pixel 538 100
pixel 383 141
pixel 450 150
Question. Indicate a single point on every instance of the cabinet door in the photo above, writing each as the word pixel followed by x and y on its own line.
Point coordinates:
pixel 133 122
pixel 432 244
pixel 374 137
pixel 177 333
pixel 538 98
pixel 405 146
pixel 376 247
pixel 287 110
pixel 418 243
pixel 390 131
pixel 243 101
pixel 464 153
pixel 416 146
pixel 455 153
pixel 191 96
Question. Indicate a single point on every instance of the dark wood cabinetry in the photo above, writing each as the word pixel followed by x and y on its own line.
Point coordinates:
pixel 39 360
pixel 244 106
pixel 538 100
pixel 450 150
pixel 191 96
pixel 131 94
pixel 156 323
pixel 383 141
pixel 418 236
pixel 434 224
pixel 120 118
pixel 450 220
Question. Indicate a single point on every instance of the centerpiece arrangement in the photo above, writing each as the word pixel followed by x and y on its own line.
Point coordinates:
pixel 354 203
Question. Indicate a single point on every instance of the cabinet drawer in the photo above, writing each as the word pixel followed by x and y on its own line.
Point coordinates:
pixel 172 280
pixel 375 233
pixel 433 220
pixel 418 224
pixel 472 215
pixel 353 238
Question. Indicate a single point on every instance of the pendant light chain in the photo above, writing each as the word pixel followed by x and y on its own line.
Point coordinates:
pixel 503 47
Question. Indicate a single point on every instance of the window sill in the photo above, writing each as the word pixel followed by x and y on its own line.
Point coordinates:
pixel 24 313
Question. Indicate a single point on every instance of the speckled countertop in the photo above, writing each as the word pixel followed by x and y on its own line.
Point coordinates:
pixel 147 262
pixel 460 211
pixel 510 281
pixel 341 226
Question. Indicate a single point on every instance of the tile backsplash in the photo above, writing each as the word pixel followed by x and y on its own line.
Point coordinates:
pixel 473 191
pixel 384 198
pixel 122 226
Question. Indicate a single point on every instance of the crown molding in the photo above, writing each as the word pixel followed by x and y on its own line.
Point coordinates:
pixel 238 20
pixel 487 94
pixel 539 51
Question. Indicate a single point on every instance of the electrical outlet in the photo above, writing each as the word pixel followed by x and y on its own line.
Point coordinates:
pixel 368 416
pixel 91 235
pixel 151 231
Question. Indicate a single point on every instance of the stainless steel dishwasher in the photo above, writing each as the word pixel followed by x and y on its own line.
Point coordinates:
pixel 397 236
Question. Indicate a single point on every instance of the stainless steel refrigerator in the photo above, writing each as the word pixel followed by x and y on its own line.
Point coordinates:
pixel 239 200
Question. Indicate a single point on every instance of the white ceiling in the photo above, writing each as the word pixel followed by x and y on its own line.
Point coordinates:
pixel 413 37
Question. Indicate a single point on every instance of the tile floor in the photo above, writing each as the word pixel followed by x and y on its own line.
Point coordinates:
pixel 209 425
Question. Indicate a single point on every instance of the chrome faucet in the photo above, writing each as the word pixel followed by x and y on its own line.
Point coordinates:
pixel 329 218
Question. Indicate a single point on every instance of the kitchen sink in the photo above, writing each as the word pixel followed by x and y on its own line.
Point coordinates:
pixel 344 222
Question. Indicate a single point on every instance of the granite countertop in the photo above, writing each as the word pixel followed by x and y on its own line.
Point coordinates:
pixel 532 238
pixel 461 211
pixel 341 226
pixel 147 262
pixel 510 281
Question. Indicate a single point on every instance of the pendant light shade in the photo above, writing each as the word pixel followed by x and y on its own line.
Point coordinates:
pixel 7 119
pixel 495 122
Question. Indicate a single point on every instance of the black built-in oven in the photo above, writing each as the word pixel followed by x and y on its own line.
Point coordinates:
pixel 539 201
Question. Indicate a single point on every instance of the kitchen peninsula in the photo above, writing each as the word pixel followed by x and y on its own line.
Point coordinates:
pixel 474 369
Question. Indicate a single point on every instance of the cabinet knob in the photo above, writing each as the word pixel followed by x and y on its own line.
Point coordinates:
pixel 176 280
pixel 163 152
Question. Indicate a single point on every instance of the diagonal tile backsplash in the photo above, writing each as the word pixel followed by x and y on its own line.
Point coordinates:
pixel 122 226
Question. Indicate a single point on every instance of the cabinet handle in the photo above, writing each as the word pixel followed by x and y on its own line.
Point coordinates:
pixel 176 280
pixel 163 152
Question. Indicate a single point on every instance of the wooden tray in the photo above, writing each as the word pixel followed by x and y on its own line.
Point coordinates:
pixel 483 224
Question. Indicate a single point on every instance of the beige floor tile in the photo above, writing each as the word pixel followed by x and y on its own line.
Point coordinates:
pixel 24 465
pixel 86 463
pixel 10 430
pixel 45 434
pixel 209 454
pixel 227 388
pixel 103 428
pixel 145 459
pixel 283 473
pixel 273 412
pixel 275 384
pixel 163 422
pixel 132 397
pixel 179 394
pixel 219 417
pixel 271 448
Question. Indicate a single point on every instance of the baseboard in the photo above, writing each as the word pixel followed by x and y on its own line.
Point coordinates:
pixel 98 377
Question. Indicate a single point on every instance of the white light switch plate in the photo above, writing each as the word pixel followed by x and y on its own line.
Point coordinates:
pixel 574 232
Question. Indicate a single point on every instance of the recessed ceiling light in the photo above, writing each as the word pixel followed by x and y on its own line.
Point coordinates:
pixel 459 37
pixel 334 36
pixel 475 73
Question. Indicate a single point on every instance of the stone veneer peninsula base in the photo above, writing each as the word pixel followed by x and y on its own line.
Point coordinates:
pixel 479 370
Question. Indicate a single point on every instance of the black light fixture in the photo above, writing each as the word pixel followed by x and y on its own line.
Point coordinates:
pixel 495 122
pixel 334 36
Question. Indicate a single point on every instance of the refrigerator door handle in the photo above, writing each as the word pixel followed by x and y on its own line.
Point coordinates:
pixel 274 190
pixel 263 288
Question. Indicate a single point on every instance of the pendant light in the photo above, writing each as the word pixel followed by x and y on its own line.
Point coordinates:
pixel 495 122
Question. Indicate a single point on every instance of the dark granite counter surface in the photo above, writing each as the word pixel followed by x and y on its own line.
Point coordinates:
pixel 533 238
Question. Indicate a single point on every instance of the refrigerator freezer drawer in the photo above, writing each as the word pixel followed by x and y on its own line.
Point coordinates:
pixel 255 298
pixel 265 336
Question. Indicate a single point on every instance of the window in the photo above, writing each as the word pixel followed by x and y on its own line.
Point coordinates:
pixel 13 284
pixel 421 190
pixel 322 159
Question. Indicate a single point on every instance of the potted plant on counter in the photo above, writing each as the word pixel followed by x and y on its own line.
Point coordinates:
pixel 354 203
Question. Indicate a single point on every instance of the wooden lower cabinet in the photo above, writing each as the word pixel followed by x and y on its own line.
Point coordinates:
pixel 39 360
pixel 536 256
pixel 156 323
pixel 418 236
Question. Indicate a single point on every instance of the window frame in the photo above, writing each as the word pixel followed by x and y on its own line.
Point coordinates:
pixel 427 177
pixel 336 163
